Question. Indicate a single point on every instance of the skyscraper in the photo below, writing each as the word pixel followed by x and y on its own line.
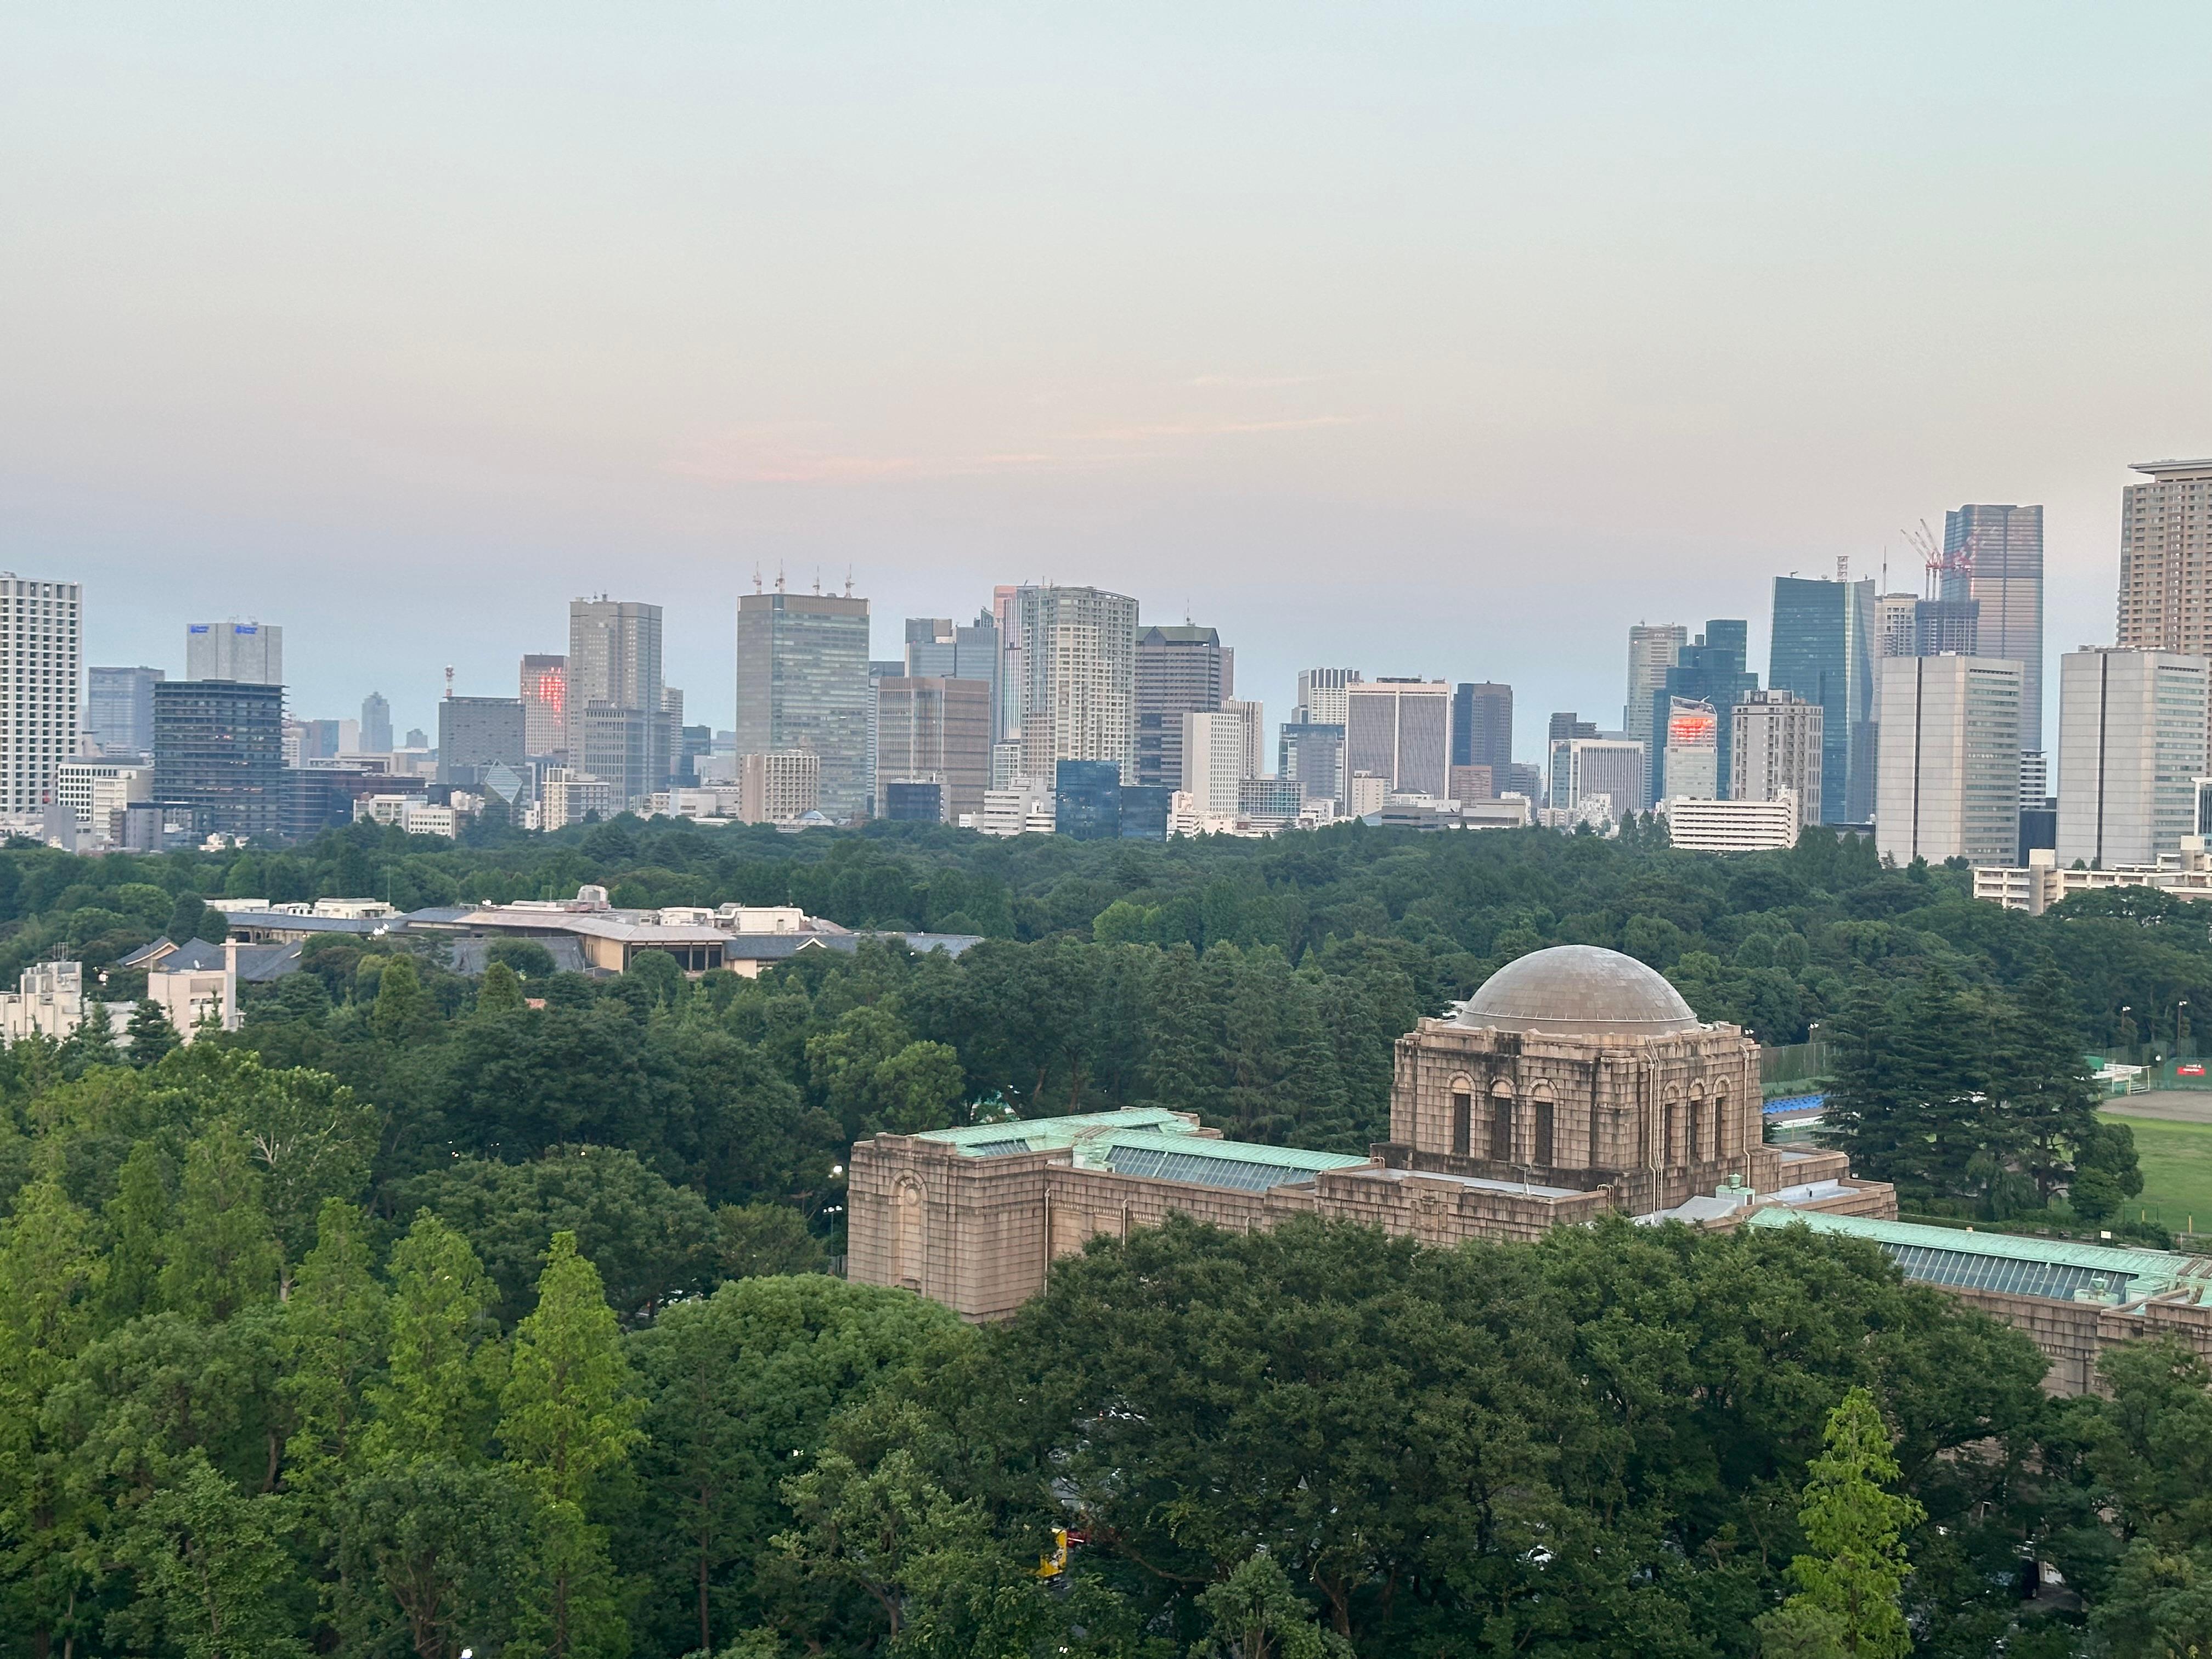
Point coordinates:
pixel 119 708
pixel 544 690
pixel 803 682
pixel 1585 766
pixel 1651 651
pixel 1482 727
pixel 1822 649
pixel 1214 744
pixel 1076 697
pixel 1776 747
pixel 219 751
pixel 39 684
pixel 1399 730
pixel 1950 760
pixel 1180 671
pixel 1995 561
pixel 1321 696
pixel 2132 742
pixel 1709 670
pixel 250 653
pixel 615 688
pixel 1693 744
pixel 930 729
pixel 1311 754
pixel 936 649
pixel 375 725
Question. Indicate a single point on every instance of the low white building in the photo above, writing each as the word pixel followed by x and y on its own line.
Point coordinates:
pixel 417 815
pixel 1024 808
pixel 97 791
pixel 567 796
pixel 49 1001
pixel 1732 826
pixel 2041 882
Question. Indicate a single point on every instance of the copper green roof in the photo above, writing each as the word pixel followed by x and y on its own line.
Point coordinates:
pixel 2057 1268
pixel 1150 1143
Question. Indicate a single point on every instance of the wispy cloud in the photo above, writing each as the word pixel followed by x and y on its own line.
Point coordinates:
pixel 1202 427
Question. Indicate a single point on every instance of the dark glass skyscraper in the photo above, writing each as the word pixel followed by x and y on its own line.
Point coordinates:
pixel 119 708
pixel 1482 725
pixel 1710 669
pixel 1822 649
pixel 802 684
pixel 219 750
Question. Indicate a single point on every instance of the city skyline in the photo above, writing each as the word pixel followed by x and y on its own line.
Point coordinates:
pixel 1704 321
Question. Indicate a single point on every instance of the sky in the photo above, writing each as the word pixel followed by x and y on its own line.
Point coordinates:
pixel 1424 340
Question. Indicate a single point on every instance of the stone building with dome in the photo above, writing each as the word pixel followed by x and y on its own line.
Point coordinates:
pixel 1574 1083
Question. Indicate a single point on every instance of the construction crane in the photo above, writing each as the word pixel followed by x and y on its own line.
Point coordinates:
pixel 1941 565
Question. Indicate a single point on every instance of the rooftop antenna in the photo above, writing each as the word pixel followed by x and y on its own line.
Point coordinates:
pixel 449 681
pixel 779 575
pixel 848 581
pixel 756 577
pixel 1843 567
pixel 817 579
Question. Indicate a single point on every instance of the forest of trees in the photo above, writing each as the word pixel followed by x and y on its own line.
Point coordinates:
pixel 413 1317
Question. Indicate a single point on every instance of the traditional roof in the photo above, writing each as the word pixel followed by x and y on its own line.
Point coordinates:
pixel 1579 988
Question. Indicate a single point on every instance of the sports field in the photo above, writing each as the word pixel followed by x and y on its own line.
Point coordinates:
pixel 2174 1136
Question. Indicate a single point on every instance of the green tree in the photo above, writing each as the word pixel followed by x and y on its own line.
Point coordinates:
pixel 403 1011
pixel 442 1377
pixel 918 1089
pixel 2106 1170
pixel 501 991
pixel 211 1566
pixel 1253 1613
pixel 222 1255
pixel 334 1326
pixel 151 1035
pixel 137 1217
pixel 567 1419
pixel 432 1554
pixel 759 1239
pixel 525 957
pixel 1851 1579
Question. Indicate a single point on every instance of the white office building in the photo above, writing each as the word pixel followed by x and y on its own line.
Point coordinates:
pixel 97 791
pixel 41 672
pixel 250 652
pixel 1216 758
pixel 1732 826
pixel 1947 778
pixel 2131 743
pixel 1585 768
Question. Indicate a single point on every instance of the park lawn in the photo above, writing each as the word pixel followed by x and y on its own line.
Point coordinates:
pixel 2177 1168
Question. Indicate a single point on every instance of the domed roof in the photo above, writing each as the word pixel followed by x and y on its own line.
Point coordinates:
pixel 1578 987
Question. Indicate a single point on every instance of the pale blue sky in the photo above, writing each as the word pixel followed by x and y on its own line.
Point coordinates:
pixel 1428 339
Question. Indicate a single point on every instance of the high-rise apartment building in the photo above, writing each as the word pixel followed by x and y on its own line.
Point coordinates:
pixel 930 729
pixel 1995 562
pixel 1822 650
pixel 614 690
pixel 1180 671
pixel 1949 770
pixel 803 682
pixel 1321 696
pixel 119 708
pixel 1710 669
pixel 1076 658
pixel 375 725
pixel 219 752
pixel 2166 560
pixel 1482 727
pixel 477 733
pixel 1651 649
pixel 250 652
pixel 2131 743
pixel 1776 749
pixel 779 786
pixel 544 692
pixel 1399 730
pixel 41 670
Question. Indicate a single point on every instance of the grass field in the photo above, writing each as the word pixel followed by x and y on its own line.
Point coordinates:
pixel 2177 1166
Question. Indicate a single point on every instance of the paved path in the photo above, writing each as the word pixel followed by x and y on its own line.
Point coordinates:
pixel 2171 1105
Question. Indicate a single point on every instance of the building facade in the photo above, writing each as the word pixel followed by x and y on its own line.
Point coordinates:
pixel 219 752
pixel 931 730
pixel 477 733
pixel 779 786
pixel 1075 655
pixel 1950 760
pixel 1585 768
pixel 544 688
pixel 615 691
pixel 1775 750
pixel 1180 671
pixel 1709 669
pixel 1482 725
pixel 803 682
pixel 1736 826
pixel 1399 730
pixel 1313 754
pixel 375 725
pixel 1321 696
pixel 40 681
pixel 1692 738
pixel 1651 652
pixel 251 652
pixel 2166 560
pixel 2131 744
pixel 1822 650
pixel 119 708
pixel 97 791
pixel 1214 749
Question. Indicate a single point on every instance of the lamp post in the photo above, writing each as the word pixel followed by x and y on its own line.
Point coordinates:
pixel 2180 1024
pixel 2127 1027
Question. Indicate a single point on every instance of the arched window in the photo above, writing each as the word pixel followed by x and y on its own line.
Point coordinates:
pixel 1543 1114
pixel 1670 1112
pixel 1698 1122
pixel 1462 1117
pixel 1501 1122
pixel 1720 1119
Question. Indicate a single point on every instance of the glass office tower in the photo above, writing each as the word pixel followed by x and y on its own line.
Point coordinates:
pixel 1709 670
pixel 1822 649
pixel 802 684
